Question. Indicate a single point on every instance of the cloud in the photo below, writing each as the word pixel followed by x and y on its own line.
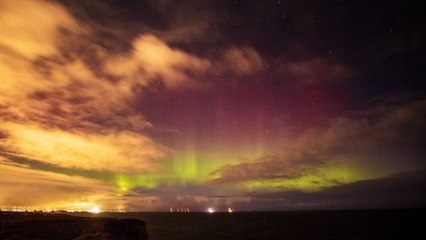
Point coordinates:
pixel 152 59
pixel 315 70
pixel 154 202
pixel 85 113
pixel 116 152
pixel 242 61
pixel 44 189
pixel 31 28
pixel 188 22
pixel 364 145
pixel 395 191
pixel 59 110
pixel 263 168
pixel 73 84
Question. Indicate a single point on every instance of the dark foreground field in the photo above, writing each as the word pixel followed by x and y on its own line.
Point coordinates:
pixel 49 226
pixel 292 225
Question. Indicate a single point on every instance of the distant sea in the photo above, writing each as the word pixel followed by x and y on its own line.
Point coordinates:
pixel 338 225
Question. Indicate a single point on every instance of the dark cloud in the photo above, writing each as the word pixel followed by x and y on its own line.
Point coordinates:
pixel 264 168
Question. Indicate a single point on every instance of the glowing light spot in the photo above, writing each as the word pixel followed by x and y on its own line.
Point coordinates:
pixel 230 210
pixel 95 210
pixel 210 210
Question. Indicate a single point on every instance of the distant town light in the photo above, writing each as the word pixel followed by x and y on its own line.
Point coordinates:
pixel 95 210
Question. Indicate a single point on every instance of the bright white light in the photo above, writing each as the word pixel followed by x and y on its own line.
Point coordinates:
pixel 95 210
pixel 210 210
pixel 229 210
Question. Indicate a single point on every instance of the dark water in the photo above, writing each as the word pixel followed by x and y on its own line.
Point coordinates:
pixel 354 224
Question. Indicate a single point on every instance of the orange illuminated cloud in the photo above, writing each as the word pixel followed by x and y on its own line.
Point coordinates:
pixel 242 61
pixel 64 112
pixel 58 111
pixel 115 152
pixel 30 28
pixel 42 189
pixel 151 59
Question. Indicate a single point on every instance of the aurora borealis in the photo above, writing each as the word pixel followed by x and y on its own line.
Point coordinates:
pixel 249 105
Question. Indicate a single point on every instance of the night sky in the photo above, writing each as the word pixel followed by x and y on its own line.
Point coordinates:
pixel 249 105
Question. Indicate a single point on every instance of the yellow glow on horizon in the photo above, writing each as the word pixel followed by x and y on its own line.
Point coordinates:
pixel 95 210
pixel 210 210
